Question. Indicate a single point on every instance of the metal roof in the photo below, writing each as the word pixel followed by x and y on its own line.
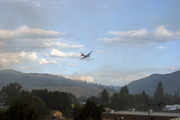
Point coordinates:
pixel 146 113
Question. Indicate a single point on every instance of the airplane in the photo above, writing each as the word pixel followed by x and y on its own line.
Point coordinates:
pixel 85 56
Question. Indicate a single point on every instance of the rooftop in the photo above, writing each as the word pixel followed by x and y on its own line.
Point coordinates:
pixel 169 114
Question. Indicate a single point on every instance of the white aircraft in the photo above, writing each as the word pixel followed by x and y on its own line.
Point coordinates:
pixel 85 56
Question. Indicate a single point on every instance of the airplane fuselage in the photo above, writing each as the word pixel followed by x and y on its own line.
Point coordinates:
pixel 85 56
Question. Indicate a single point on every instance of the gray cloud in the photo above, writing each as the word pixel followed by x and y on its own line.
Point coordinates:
pixel 26 32
pixel 121 78
pixel 9 59
pixel 15 13
pixel 71 64
pixel 141 37
pixel 27 39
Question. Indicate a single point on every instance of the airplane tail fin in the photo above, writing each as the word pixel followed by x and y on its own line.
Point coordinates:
pixel 82 54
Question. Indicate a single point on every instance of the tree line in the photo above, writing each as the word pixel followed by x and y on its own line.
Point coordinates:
pixel 34 103
pixel 29 105
pixel 140 101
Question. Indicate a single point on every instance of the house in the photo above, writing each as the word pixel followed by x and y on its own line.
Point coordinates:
pixel 2 107
pixel 107 110
pixel 72 105
pixel 56 113
pixel 82 103
pixel 141 115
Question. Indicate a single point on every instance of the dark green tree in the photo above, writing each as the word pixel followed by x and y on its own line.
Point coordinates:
pixel 95 99
pixel 36 102
pixel 11 92
pixel 168 98
pixel 124 90
pixel 43 94
pixel 126 101
pixel 177 94
pixel 142 101
pixel 145 98
pixel 91 111
pixel 24 92
pixel 4 115
pixel 114 101
pixel 19 110
pixel 159 93
pixel 77 112
pixel 143 94
pixel 139 99
pixel 104 95
pixel 59 101
pixel 176 97
pixel 55 100
pixel 82 99
pixel 106 104
pixel 72 98
pixel 121 101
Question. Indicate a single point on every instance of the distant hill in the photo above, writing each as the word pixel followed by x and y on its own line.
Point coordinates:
pixel 116 88
pixel 31 81
pixel 171 83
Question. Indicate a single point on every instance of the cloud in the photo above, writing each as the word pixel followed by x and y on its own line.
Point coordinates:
pixel 99 51
pixel 43 61
pixel 110 78
pixel 81 78
pixel 54 2
pixel 50 43
pixel 71 64
pixel 17 0
pixel 22 12
pixel 160 47
pixel 105 6
pixel 26 32
pixel 118 77
pixel 37 3
pixel 174 68
pixel 27 39
pixel 62 2
pixel 8 59
pixel 64 45
pixel 57 53
pixel 141 37
pixel 109 53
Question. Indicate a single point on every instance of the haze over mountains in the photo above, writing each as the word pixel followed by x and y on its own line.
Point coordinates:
pixel 31 81
pixel 171 83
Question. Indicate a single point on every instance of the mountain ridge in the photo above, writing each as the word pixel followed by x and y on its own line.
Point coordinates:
pixel 170 83
pixel 51 82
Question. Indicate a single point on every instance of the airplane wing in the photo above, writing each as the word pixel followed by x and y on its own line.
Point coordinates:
pixel 89 53
pixel 83 57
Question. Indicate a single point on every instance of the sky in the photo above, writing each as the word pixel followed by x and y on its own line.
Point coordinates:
pixel 130 39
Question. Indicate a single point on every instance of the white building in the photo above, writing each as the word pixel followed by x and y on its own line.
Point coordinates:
pixel 171 107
